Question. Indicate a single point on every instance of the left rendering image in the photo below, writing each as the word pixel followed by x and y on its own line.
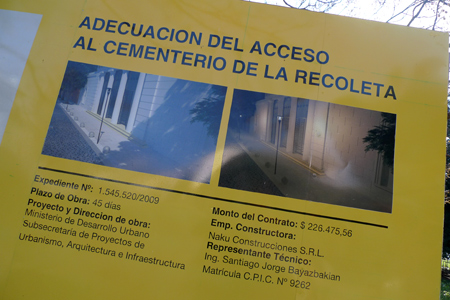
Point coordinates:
pixel 136 121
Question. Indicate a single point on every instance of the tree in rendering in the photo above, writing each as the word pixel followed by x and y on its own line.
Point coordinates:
pixel 382 138
pixel 209 110
pixel 75 78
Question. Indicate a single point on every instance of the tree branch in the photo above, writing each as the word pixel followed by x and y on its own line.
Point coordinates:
pixel 394 16
pixel 436 14
pixel 316 5
pixel 285 2
pixel 418 13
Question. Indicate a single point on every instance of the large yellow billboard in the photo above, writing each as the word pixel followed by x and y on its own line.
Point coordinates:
pixel 219 150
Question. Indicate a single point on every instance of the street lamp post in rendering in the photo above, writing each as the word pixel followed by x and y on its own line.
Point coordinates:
pixel 280 118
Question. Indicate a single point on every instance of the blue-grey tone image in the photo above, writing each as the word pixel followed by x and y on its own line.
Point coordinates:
pixel 136 121
pixel 311 150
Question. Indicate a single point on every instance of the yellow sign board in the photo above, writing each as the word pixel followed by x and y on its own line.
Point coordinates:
pixel 219 150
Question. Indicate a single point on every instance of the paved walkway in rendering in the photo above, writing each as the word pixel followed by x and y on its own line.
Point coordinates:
pixel 77 134
pixel 291 178
pixel 66 141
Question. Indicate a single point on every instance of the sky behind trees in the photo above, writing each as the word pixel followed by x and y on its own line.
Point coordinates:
pixel 426 14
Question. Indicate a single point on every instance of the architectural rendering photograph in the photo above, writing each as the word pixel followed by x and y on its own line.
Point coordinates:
pixel 136 121
pixel 310 150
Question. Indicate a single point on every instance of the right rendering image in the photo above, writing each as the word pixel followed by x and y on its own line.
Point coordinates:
pixel 310 150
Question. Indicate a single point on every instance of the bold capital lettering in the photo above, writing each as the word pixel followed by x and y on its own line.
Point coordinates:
pixel 86 22
pixel 378 85
pixel 159 33
pixel 98 22
pixel 149 32
pixel 266 50
pixel 279 51
pixel 266 73
pixel 282 74
pixel 390 92
pixel 105 48
pixel 340 78
pixel 217 41
pixel 366 86
pixel 238 66
pixel 323 80
pixel 309 55
pixel 110 26
pixel 325 60
pixel 301 74
pixel 80 43
pixel 89 47
pixel 120 27
pixel 351 87
pixel 251 67
pixel 256 47
pixel 236 46
pixel 227 41
pixel 314 78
